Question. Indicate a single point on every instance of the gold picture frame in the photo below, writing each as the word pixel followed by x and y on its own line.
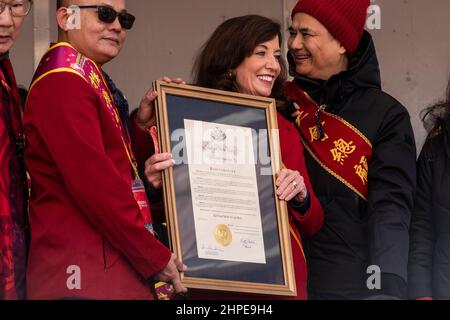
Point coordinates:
pixel 272 272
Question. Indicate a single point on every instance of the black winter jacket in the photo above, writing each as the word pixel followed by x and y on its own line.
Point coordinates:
pixel 429 265
pixel 358 234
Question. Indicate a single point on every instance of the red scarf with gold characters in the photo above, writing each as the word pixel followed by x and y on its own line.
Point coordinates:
pixel 336 145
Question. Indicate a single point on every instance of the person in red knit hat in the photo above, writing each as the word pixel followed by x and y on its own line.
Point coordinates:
pixel 360 154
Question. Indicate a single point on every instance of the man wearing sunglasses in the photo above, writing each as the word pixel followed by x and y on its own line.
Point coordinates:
pixel 92 231
pixel 12 174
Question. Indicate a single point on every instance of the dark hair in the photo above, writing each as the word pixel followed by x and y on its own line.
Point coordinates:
pixel 437 119
pixel 232 42
pixel 60 3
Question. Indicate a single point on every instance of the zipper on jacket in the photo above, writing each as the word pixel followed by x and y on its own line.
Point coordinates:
pixel 319 122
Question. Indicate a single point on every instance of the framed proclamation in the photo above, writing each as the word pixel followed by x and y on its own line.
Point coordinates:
pixel 224 219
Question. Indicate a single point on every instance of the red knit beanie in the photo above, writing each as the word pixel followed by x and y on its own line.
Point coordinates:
pixel 344 19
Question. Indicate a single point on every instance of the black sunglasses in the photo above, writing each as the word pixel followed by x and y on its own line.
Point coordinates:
pixel 107 14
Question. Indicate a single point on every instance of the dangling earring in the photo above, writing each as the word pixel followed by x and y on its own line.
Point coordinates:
pixel 230 74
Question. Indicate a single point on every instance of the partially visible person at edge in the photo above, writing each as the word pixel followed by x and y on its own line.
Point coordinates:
pixel 360 154
pixel 13 187
pixel 429 257
pixel 244 55
pixel 91 226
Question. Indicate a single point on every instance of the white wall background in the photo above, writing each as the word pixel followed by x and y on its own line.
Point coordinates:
pixel 414 51
pixel 413 44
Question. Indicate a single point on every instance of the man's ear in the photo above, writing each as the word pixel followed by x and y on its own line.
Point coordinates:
pixel 342 49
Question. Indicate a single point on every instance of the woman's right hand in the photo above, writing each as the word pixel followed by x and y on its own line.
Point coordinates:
pixel 155 166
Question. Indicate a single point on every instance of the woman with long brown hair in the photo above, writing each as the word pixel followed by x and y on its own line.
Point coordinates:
pixel 244 55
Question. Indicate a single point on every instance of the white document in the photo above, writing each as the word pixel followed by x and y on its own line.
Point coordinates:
pixel 224 190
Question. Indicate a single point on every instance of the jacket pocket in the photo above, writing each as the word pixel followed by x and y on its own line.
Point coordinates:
pixel 110 255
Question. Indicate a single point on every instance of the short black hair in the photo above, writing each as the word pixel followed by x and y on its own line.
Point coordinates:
pixel 60 3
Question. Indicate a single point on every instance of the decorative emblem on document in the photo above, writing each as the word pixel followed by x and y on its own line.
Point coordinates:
pixel 217 141
pixel 223 235
pixel 218 146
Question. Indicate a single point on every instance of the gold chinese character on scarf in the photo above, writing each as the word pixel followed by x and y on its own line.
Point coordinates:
pixel 362 170
pixel 315 133
pixel 342 150
pixel 302 115
pixel 95 79
pixel 107 98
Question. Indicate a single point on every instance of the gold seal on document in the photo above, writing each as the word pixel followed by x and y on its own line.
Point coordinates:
pixel 223 235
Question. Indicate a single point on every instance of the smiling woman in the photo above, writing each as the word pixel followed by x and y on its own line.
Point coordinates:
pixel 219 63
pixel 243 55
pixel 257 73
